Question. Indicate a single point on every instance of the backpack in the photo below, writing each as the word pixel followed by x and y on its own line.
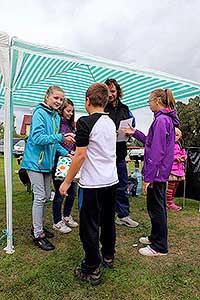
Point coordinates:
pixel 132 186
pixel 23 176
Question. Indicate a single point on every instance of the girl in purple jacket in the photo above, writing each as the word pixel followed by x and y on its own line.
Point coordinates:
pixel 63 221
pixel 177 173
pixel 158 159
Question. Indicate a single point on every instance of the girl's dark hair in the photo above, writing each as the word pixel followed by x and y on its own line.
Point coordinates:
pixel 65 103
pixel 166 97
pixel 111 81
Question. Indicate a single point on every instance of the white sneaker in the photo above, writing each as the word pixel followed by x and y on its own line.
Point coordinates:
pixel 145 240
pixel 148 251
pixel 127 221
pixel 69 221
pixel 62 227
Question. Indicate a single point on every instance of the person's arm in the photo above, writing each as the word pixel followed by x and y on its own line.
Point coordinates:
pixel 140 136
pixel 77 161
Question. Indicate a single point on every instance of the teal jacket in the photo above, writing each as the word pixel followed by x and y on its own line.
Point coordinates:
pixel 44 140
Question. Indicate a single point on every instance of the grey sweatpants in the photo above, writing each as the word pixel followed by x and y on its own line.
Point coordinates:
pixel 41 187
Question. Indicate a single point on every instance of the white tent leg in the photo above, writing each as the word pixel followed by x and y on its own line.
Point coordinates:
pixel 6 70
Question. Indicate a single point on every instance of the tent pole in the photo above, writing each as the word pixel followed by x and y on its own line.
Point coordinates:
pixel 8 119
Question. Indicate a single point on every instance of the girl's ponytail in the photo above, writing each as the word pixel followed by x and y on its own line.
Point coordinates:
pixel 171 104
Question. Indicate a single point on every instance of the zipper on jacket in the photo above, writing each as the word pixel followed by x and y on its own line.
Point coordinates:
pixel 40 158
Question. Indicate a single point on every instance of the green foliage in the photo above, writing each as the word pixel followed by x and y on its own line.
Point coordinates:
pixel 1 130
pixel 189 115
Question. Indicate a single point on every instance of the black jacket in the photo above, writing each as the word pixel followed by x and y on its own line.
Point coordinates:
pixel 118 113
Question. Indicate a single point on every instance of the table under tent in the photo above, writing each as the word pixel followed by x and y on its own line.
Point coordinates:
pixel 27 70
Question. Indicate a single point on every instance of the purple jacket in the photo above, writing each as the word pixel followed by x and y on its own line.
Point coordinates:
pixel 159 146
pixel 178 167
pixel 66 128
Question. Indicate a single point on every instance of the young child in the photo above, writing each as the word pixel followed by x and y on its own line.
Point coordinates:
pixel 38 160
pixel 177 172
pixel 158 159
pixel 63 223
pixel 96 156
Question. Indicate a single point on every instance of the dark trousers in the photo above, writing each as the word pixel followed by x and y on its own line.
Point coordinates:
pixel 58 200
pixel 97 210
pixel 122 202
pixel 156 206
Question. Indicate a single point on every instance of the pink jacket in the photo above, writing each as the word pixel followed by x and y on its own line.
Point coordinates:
pixel 178 167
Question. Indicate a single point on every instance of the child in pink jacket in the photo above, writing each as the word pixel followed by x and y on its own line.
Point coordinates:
pixel 177 173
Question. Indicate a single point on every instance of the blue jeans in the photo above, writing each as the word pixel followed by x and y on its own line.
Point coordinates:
pixel 58 200
pixel 122 203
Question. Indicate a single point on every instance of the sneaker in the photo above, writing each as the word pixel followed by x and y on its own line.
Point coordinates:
pixel 47 233
pixel 145 240
pixel 62 227
pixel 148 251
pixel 108 262
pixel 69 221
pixel 43 243
pixel 127 221
pixel 175 207
pixel 94 278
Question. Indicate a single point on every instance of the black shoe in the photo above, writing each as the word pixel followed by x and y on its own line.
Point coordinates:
pixel 108 262
pixel 94 277
pixel 43 243
pixel 47 233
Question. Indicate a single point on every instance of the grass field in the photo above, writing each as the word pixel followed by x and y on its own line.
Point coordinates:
pixel 31 273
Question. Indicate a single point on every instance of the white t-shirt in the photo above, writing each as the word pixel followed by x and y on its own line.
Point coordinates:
pixel 97 132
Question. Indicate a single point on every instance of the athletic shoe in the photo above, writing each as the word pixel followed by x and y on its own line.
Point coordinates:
pixel 94 277
pixel 175 207
pixel 69 221
pixel 145 240
pixel 43 243
pixel 62 227
pixel 148 251
pixel 108 262
pixel 127 221
pixel 47 233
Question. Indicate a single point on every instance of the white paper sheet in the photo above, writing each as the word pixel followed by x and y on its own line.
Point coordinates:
pixel 121 136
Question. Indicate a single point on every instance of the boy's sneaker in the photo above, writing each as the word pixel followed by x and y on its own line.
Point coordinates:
pixel 108 262
pixel 175 207
pixel 94 277
pixel 148 251
pixel 145 240
pixel 43 243
pixel 69 221
pixel 127 221
pixel 62 227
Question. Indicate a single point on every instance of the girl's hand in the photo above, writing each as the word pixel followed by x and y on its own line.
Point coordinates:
pixel 145 185
pixel 64 188
pixel 68 138
pixel 128 130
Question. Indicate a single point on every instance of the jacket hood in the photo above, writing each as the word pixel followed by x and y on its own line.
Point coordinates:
pixel 46 108
pixel 171 114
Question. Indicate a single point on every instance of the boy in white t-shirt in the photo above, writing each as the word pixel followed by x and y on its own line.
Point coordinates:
pixel 96 156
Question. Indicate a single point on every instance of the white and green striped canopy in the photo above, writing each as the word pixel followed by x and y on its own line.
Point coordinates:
pixel 34 68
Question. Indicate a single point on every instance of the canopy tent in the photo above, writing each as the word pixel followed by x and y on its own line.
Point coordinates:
pixel 27 70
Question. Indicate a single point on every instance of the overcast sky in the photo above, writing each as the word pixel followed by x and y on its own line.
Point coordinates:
pixel 161 35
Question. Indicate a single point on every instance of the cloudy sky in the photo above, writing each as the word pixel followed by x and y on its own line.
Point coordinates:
pixel 161 35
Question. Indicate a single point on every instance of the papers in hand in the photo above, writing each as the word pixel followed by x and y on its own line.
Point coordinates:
pixel 121 136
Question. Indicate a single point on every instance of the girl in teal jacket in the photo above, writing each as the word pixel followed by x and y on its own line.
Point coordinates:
pixel 43 142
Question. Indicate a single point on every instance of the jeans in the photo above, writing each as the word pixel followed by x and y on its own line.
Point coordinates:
pixel 156 206
pixel 58 200
pixel 41 186
pixel 122 203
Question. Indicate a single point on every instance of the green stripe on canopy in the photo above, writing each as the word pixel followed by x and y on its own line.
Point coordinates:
pixel 36 67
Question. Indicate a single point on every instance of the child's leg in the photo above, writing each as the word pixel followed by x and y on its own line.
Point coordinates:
pixel 38 187
pixel 70 199
pixel 171 190
pixel 156 205
pixel 89 228
pixel 107 222
pixel 57 203
pixel 47 188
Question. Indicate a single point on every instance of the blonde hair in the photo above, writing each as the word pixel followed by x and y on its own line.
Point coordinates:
pixel 166 97
pixel 51 89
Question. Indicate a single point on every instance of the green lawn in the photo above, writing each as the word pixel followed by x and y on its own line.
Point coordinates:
pixel 31 273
